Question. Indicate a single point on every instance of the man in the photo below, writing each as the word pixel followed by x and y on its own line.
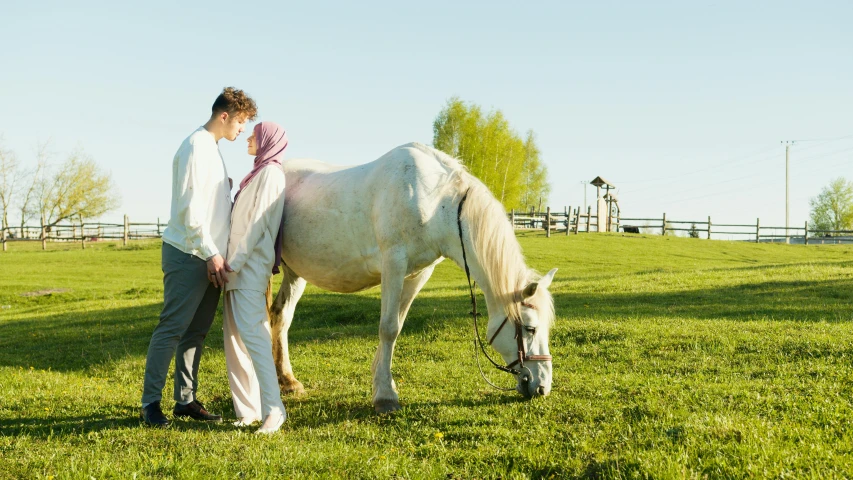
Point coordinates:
pixel 194 270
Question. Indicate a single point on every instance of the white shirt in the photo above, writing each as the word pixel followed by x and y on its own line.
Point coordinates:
pixel 254 226
pixel 201 198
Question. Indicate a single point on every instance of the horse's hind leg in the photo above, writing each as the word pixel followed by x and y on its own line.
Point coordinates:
pixel 281 316
pixel 396 300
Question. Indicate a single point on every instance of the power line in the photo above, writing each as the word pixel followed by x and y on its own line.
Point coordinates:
pixel 825 154
pixel 795 161
pixel 712 167
pixel 825 140
pixel 739 158
pixel 692 189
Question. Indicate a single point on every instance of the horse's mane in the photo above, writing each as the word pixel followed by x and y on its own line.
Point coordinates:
pixel 497 249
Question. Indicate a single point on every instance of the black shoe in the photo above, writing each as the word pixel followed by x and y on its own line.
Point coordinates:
pixel 196 411
pixel 153 416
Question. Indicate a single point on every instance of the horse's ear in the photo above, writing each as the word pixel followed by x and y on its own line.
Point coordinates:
pixel 529 290
pixel 545 281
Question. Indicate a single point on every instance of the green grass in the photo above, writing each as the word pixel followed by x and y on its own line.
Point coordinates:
pixel 673 358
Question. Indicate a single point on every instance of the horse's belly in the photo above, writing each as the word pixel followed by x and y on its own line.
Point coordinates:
pixel 331 251
pixel 336 274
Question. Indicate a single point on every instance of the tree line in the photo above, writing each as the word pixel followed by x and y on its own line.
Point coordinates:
pixel 493 152
pixel 832 209
pixel 75 188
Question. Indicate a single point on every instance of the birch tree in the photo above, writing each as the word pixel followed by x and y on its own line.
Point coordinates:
pixel 491 150
pixel 534 174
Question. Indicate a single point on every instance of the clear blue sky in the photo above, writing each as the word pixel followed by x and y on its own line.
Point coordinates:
pixel 681 104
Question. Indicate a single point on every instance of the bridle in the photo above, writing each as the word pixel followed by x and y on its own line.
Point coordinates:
pixel 522 372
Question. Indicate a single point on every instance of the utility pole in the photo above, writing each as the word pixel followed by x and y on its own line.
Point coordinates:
pixel 584 194
pixel 788 144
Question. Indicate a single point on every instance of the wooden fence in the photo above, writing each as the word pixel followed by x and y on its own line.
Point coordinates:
pixel 566 222
pixel 81 233
pixel 575 221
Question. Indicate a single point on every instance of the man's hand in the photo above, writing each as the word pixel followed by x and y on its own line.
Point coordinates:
pixel 216 268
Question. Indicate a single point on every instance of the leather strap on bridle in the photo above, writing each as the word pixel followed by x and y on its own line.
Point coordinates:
pixel 522 351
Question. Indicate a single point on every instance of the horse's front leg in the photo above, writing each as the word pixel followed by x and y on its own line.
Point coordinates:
pixel 281 316
pixel 385 398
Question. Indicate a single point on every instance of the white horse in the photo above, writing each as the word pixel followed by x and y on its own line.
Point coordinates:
pixel 390 222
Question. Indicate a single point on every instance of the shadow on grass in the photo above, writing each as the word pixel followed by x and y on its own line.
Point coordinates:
pixel 72 425
pixel 795 300
pixel 78 340
pixel 83 424
pixel 305 413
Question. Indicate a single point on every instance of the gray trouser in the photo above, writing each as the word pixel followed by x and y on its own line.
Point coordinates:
pixel 189 306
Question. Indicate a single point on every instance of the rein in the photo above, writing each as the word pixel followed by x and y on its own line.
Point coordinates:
pixel 522 371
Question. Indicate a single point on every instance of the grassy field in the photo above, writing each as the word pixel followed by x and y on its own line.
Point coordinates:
pixel 673 358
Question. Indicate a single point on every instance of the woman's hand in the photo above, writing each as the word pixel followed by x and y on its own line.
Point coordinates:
pixel 216 269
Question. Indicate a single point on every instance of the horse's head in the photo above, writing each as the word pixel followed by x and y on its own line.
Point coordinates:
pixel 524 345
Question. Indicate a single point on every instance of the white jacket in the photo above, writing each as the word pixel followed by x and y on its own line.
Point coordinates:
pixel 201 198
pixel 255 221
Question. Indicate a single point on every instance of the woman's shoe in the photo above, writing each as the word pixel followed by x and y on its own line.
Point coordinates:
pixel 273 426
pixel 245 421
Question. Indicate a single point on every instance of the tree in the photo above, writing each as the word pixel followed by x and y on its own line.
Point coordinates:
pixel 10 176
pixel 27 195
pixel 534 174
pixel 76 188
pixel 492 152
pixel 693 232
pixel 832 209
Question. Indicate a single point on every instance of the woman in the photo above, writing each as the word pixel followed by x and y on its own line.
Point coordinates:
pixel 254 255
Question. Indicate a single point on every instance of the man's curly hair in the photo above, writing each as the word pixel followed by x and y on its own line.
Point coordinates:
pixel 235 102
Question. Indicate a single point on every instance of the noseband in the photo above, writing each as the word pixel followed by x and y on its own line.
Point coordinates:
pixel 522 372
pixel 519 340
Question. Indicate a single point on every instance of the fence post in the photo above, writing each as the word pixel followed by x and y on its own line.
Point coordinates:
pixel 577 220
pixel 709 227
pixel 43 234
pixel 82 233
pixel 158 227
pixel 568 220
pixel 126 226
pixel 757 230
pixel 511 219
pixel 663 225
pixel 547 222
pixel 806 233
pixel 3 235
pixel 588 217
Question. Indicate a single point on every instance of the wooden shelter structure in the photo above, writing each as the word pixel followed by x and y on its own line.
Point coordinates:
pixel 607 205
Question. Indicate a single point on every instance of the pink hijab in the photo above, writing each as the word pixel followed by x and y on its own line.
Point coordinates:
pixel 271 142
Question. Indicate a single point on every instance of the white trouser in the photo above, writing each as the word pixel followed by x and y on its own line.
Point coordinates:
pixel 248 355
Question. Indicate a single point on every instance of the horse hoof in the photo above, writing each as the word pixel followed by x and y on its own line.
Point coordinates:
pixel 295 389
pixel 386 406
pixel 290 385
